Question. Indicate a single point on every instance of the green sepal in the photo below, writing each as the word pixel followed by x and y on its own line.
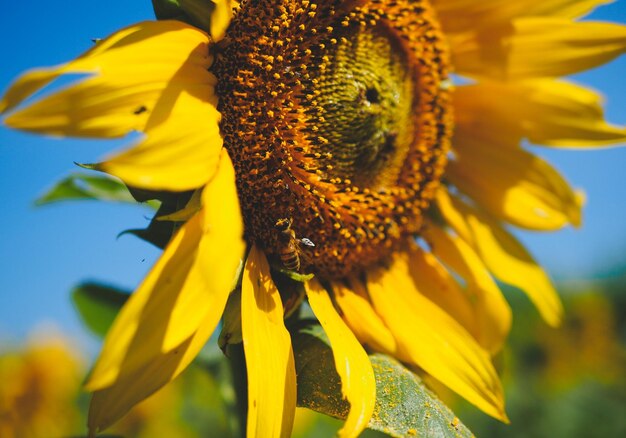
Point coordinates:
pixel 98 305
pixel 90 166
pixel 82 186
pixel 159 232
pixel 194 12
pixel 231 322
pixel 404 406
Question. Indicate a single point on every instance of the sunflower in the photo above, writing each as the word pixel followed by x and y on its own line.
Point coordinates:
pixel 330 143
pixel 37 399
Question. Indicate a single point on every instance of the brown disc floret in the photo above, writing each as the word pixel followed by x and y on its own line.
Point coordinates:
pixel 336 116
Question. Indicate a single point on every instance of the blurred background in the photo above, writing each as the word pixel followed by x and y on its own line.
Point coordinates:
pixel 569 382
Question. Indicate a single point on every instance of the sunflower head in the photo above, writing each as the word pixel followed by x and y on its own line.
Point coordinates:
pixel 337 120
pixel 317 134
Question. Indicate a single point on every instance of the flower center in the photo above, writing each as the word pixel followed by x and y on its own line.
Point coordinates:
pixel 363 109
pixel 337 122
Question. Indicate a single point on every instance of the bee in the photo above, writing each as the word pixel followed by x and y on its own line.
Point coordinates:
pixel 290 250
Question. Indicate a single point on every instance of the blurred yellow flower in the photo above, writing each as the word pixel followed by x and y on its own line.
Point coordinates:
pixel 41 397
pixel 169 413
pixel 587 346
pixel 40 384
pixel 320 137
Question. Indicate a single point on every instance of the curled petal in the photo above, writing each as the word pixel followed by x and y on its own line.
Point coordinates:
pixel 358 384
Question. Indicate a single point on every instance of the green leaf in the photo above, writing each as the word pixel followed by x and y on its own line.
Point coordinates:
pixel 98 305
pixel 194 12
pixel 404 406
pixel 80 186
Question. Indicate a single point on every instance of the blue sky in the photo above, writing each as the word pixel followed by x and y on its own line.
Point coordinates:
pixel 45 251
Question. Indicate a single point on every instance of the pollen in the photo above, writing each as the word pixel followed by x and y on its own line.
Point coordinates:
pixel 337 123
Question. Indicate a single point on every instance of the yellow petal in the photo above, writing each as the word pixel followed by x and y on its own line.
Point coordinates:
pixel 190 281
pixel 433 340
pixel 126 75
pixel 220 17
pixel 110 404
pixel 179 154
pixel 31 81
pixel 220 251
pixel 467 15
pixel 269 355
pixel 546 111
pixel 152 78
pixel 515 185
pixel 451 214
pixel 362 319
pixel 503 255
pixel 436 283
pixel 492 313
pixel 537 47
pixel 358 384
